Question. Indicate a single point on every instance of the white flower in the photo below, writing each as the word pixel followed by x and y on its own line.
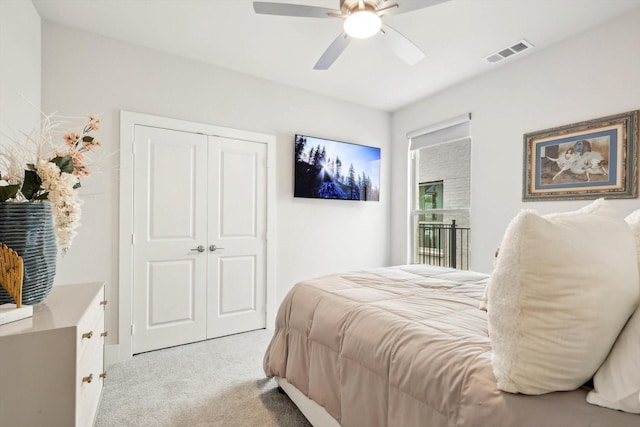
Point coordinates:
pixel 65 204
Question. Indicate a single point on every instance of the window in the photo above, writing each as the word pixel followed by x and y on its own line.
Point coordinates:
pixel 430 196
pixel 440 171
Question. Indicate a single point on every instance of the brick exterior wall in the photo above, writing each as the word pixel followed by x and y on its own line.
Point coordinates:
pixel 450 163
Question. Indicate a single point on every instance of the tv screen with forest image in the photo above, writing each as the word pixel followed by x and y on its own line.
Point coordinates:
pixel 326 169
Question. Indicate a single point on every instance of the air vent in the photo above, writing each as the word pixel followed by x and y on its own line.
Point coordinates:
pixel 507 52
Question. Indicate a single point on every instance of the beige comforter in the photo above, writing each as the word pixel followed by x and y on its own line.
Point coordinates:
pixel 407 346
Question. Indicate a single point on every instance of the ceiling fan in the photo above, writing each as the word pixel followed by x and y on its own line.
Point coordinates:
pixel 362 19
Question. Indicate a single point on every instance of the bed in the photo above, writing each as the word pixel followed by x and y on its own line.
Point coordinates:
pixel 406 346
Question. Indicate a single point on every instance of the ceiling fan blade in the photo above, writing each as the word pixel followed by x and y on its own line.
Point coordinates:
pixel 404 6
pixel 401 46
pixel 299 10
pixel 333 52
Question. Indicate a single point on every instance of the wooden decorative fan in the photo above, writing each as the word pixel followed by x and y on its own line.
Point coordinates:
pixel 11 273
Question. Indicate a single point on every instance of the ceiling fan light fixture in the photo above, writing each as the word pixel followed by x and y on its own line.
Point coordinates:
pixel 362 24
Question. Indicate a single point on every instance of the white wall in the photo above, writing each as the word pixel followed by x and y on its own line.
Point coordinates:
pixel 19 66
pixel 589 76
pixel 85 73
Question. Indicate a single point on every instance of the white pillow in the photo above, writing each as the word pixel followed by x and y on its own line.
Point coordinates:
pixel 563 287
pixel 633 219
pixel 617 382
pixel 485 296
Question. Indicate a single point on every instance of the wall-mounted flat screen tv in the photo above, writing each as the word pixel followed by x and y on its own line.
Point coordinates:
pixel 327 169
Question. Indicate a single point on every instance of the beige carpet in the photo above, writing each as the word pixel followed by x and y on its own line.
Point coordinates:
pixel 217 382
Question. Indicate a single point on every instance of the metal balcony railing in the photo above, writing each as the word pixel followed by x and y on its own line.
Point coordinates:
pixel 445 245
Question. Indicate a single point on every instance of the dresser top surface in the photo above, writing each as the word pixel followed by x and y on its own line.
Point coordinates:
pixel 63 307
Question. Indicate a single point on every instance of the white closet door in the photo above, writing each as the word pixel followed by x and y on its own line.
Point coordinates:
pixel 237 228
pixel 170 221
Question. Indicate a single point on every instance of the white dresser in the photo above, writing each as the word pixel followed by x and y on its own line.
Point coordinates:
pixel 51 365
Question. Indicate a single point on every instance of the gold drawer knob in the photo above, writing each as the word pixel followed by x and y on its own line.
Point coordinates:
pixel 104 334
pixel 103 375
pixel 87 379
pixel 103 302
pixel 87 335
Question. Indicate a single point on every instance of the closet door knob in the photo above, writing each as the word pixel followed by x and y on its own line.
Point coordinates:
pixel 200 248
pixel 214 248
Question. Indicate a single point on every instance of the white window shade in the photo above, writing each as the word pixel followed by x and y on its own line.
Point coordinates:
pixel 447 131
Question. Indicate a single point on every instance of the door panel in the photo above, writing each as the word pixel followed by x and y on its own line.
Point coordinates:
pixel 237 285
pixel 237 225
pixel 238 193
pixel 170 202
pixel 171 290
pixel 171 190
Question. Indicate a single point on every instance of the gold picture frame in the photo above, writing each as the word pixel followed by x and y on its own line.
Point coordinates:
pixel 585 160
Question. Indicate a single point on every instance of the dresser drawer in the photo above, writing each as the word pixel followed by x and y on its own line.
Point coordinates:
pixel 89 381
pixel 90 362
pixel 91 325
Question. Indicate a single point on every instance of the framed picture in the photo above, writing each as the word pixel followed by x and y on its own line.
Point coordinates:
pixel 586 160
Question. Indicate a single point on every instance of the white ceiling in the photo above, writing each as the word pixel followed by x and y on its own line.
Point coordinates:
pixel 455 35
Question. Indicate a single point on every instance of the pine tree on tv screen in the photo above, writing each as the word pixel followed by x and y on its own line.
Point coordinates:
pixel 326 169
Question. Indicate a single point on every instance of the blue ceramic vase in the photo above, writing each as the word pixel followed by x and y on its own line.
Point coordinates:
pixel 27 228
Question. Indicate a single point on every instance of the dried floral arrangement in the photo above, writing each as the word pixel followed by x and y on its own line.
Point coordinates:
pixel 46 165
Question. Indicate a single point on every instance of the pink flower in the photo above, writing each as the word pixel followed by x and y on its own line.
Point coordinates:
pixel 71 138
pixel 90 145
pixel 93 124
pixel 81 170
